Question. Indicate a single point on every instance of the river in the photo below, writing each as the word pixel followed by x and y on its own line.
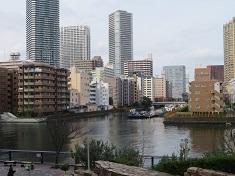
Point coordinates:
pixel 150 136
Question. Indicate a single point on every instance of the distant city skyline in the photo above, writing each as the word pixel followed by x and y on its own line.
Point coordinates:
pixel 174 32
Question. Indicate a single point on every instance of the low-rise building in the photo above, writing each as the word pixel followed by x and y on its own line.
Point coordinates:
pixel 148 88
pixel 9 83
pixel 114 89
pixel 42 88
pixel 128 90
pixel 74 98
pixel 4 106
pixel 206 95
pixel 79 84
pixel 99 93
pixel 160 88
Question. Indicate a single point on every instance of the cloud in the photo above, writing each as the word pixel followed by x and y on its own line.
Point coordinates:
pixel 175 32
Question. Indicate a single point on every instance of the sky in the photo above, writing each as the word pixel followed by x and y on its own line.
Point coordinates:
pixel 175 32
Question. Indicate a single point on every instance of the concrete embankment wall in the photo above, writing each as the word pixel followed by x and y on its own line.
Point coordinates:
pixel 195 171
pixel 199 120
pixel 105 168
pixel 85 114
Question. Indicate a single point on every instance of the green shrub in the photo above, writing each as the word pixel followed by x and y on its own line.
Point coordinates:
pixel 65 167
pixel 220 162
pixel 106 152
pixel 128 156
pixel 98 151
pixel 184 109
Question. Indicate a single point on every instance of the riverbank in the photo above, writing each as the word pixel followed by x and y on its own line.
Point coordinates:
pixel 71 115
pixel 10 118
pixel 199 120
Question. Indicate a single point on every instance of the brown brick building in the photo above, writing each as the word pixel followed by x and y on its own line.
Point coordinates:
pixel 216 72
pixel 206 94
pixel 34 87
pixel 3 90
pixel 89 65
pixel 8 90
pixel 42 88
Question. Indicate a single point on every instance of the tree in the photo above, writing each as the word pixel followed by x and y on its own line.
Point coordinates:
pixel 146 103
pixel 185 96
pixel 136 104
pixel 61 132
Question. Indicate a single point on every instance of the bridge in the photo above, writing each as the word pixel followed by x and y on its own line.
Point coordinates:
pixel 169 103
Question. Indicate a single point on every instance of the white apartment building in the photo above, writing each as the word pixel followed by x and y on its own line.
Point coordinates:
pixel 74 45
pixel 148 89
pixel 102 72
pixel 99 93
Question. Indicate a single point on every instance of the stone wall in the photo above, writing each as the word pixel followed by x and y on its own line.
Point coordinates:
pixel 195 171
pixel 105 168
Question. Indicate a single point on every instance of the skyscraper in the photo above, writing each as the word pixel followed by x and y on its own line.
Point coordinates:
pixel 42 31
pixel 120 40
pixel 74 45
pixel 176 75
pixel 229 51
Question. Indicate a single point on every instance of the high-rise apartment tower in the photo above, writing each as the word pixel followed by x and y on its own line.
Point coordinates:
pixel 229 51
pixel 42 31
pixel 74 45
pixel 120 40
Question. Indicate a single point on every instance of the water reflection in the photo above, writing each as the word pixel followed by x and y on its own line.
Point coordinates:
pixel 150 136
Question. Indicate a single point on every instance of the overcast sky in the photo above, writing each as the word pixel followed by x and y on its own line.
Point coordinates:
pixel 188 32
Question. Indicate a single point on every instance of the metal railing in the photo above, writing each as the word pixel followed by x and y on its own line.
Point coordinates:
pixel 39 157
pixel 48 157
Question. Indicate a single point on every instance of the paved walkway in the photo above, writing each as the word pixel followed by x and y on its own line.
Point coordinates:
pixel 39 170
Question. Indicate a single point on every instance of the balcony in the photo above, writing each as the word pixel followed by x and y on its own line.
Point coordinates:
pixel 43 103
pixel 44 90
pixel 28 102
pixel 45 77
pixel 29 83
pixel 28 90
pixel 28 96
pixel 44 96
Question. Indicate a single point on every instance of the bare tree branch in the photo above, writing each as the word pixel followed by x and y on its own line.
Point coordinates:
pixel 61 132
